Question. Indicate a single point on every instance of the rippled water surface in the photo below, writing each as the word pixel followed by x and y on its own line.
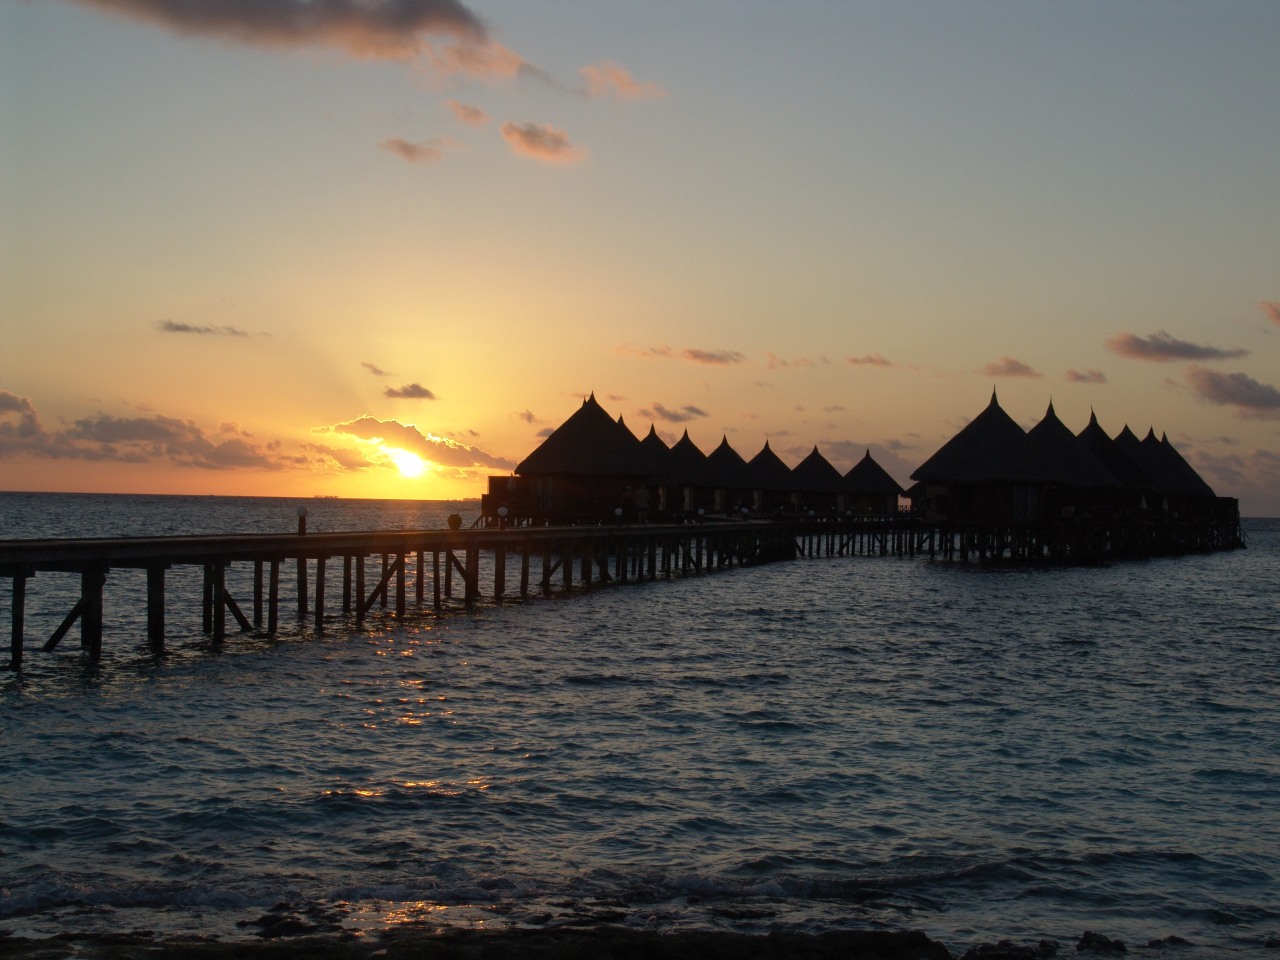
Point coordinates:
pixel 979 753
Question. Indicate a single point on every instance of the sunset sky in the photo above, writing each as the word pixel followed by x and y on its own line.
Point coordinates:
pixel 304 247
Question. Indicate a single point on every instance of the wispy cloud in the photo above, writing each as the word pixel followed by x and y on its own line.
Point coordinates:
pixel 1009 367
pixel 608 80
pixel 774 362
pixel 410 391
pixel 648 353
pixel 1161 348
pixel 715 358
pixel 869 360
pixel 427 151
pixel 1252 400
pixel 1086 376
pixel 683 415
pixel 542 142
pixel 1271 310
pixel 370 30
pixel 205 330
pixel 374 369
pixel 466 113
pixel 487 60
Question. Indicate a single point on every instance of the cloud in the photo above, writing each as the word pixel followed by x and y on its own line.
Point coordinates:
pixel 374 369
pixel 541 142
pixel 1086 376
pixel 648 353
pixel 344 458
pixel 171 326
pixel 366 29
pixel 1009 367
pixel 683 415
pixel 715 358
pixel 24 426
pixel 439 450
pixel 528 417
pixel 775 362
pixel 1161 347
pixel 1271 310
pixel 103 437
pixel 869 360
pixel 465 113
pixel 410 391
pixel 428 151
pixel 1252 400
pixel 608 80
pixel 484 61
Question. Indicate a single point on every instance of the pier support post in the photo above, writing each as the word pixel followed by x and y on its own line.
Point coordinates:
pixel 257 595
pixel 91 583
pixel 320 594
pixel 402 560
pixel 346 583
pixel 302 587
pixel 273 598
pixel 18 613
pixel 360 590
pixel 219 600
pixel 155 608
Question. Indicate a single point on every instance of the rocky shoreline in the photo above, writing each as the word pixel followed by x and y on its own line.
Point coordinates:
pixel 594 943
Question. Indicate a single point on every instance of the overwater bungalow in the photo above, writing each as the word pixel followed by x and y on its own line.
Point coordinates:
pixel 592 466
pixel 870 491
pixel 993 471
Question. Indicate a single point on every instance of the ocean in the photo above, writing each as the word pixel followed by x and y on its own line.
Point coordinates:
pixel 824 744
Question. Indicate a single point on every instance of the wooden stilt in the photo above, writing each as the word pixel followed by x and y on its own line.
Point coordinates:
pixel 319 621
pixel 302 588
pixel 273 597
pixel 257 595
pixel 17 620
pixel 155 608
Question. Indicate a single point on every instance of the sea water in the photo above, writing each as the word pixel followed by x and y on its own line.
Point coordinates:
pixel 980 753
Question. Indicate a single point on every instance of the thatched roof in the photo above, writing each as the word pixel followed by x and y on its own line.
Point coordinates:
pixel 815 474
pixel 589 443
pixel 1060 458
pixel 1179 476
pixel 1129 475
pixel 990 449
pixel 867 476
pixel 688 462
pixel 1196 484
pixel 726 468
pixel 766 471
pixel 1153 467
pixel 661 466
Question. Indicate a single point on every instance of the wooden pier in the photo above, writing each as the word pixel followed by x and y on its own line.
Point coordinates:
pixel 444 568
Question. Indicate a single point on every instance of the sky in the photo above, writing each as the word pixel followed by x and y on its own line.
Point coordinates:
pixel 369 249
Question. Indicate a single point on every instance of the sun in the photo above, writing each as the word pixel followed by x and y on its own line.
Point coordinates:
pixel 409 464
